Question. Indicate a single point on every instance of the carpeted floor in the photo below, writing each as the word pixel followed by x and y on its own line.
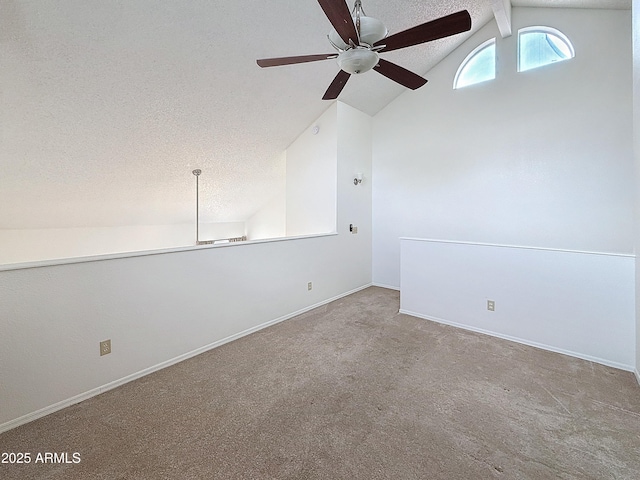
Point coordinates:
pixel 352 390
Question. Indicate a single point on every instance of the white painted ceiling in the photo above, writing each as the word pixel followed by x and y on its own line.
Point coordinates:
pixel 107 106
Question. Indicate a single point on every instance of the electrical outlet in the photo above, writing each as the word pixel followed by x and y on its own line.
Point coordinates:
pixel 491 305
pixel 310 286
pixel 105 347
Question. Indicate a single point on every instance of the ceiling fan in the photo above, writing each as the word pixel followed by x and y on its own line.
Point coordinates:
pixel 359 39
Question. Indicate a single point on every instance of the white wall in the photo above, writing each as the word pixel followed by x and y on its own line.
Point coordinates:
pixel 576 303
pixel 158 307
pixel 354 144
pixel 271 218
pixel 636 142
pixel 311 178
pixel 31 245
pixel 541 158
pixel 270 221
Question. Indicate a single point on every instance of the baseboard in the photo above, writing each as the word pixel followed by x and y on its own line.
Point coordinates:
pixel 381 285
pixel 637 374
pixel 523 341
pixel 134 376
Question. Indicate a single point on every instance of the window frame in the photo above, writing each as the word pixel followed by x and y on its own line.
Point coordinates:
pixel 475 52
pixel 547 31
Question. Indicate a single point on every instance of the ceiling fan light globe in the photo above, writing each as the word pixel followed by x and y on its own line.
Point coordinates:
pixel 336 41
pixel 372 30
pixel 357 60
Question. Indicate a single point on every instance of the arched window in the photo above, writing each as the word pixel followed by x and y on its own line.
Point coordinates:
pixel 539 46
pixel 478 66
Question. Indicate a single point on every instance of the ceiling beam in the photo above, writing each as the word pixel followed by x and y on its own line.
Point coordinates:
pixel 502 12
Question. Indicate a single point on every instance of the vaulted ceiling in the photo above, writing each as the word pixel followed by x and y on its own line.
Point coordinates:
pixel 107 106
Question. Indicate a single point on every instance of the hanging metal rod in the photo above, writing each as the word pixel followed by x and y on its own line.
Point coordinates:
pixel 197 173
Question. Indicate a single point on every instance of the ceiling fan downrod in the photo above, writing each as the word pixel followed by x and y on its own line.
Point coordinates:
pixel 357 12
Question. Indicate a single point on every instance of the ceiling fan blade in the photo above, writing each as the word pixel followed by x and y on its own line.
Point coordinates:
pixel 442 27
pixel 336 86
pixel 339 15
pixel 399 74
pixel 274 62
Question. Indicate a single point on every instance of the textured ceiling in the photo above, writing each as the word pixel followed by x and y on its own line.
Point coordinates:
pixel 611 4
pixel 107 107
